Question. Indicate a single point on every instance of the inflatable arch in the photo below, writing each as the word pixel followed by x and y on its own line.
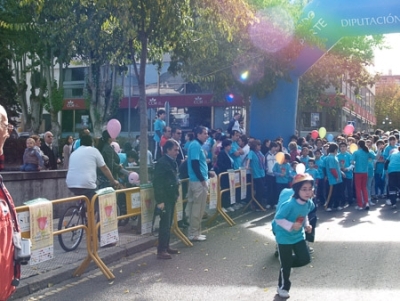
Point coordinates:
pixel 275 115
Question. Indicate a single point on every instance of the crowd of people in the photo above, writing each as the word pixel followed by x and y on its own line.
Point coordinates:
pixel 294 178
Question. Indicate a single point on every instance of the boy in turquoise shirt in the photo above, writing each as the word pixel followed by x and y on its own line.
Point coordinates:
pixel 344 158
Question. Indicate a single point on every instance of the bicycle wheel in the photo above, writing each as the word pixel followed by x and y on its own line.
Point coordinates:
pixel 121 210
pixel 72 217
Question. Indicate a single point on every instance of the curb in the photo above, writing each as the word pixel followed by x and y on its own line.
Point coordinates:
pixel 38 282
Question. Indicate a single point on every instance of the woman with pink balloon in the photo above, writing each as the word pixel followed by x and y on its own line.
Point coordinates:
pixel 111 158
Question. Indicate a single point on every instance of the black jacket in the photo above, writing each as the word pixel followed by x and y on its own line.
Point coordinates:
pixel 51 153
pixel 165 180
pixel 223 162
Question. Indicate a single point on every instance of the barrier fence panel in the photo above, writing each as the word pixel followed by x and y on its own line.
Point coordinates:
pixel 86 227
pixel 237 184
pixel 132 207
pixel 175 228
pixel 253 199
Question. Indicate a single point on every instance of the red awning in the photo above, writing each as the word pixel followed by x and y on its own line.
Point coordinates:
pixel 156 101
pixel 181 100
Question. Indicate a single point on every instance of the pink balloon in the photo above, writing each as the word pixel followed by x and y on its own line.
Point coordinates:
pixel 348 129
pixel 116 147
pixel 314 134
pixel 114 128
pixel 133 178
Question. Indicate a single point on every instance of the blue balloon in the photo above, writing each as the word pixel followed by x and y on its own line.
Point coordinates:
pixel 329 137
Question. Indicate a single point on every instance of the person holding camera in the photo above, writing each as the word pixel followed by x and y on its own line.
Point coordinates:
pixel 166 192
pixel 9 227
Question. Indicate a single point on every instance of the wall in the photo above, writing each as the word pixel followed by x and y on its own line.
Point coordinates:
pixel 49 184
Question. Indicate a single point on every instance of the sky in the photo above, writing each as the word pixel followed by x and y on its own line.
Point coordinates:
pixel 389 59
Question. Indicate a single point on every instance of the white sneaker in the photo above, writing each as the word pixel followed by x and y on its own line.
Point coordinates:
pixel 358 208
pixel 340 208
pixel 328 209
pixel 268 207
pixel 283 293
pixel 388 202
pixel 372 203
pixel 231 209
pixel 197 238
pixel 224 210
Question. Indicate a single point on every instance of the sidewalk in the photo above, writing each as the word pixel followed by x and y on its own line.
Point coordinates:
pixel 62 266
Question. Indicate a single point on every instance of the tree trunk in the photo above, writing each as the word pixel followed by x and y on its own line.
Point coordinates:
pixel 20 79
pixel 141 75
pixel 93 108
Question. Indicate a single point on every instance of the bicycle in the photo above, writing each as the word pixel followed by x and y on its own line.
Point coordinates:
pixel 76 215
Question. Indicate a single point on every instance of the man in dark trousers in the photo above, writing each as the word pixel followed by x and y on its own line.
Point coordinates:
pixel 49 150
pixel 166 192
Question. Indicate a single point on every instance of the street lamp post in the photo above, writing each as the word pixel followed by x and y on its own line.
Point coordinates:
pixel 387 122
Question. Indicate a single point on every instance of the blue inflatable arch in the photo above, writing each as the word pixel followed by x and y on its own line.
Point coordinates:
pixel 275 115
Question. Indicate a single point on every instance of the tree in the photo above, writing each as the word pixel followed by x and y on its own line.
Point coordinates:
pixel 246 60
pixel 345 62
pixel 155 27
pixel 10 15
pixel 387 98
pixel 8 88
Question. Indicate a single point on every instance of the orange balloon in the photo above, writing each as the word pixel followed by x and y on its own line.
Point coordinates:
pixel 353 147
pixel 280 157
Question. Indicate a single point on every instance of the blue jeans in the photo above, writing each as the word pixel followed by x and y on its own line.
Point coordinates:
pixel 379 184
pixel 348 190
pixel 29 167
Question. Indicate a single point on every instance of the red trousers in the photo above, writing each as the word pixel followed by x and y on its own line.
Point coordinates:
pixel 360 182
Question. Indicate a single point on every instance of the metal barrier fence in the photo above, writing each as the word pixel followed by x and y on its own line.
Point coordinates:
pixel 93 221
pixel 220 192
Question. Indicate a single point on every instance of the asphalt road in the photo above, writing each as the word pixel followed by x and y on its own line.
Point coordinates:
pixel 356 258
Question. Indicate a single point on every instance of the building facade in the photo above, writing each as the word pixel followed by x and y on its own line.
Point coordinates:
pixel 339 108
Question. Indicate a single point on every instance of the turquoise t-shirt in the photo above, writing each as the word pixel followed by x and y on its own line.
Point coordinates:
pixel 282 169
pixel 361 158
pixel 314 173
pixel 207 146
pixel 387 150
pixel 321 166
pixel 237 162
pixel 122 158
pixel 331 162
pixel 159 125
pixel 291 210
pixel 285 195
pixel 345 161
pixel 304 160
pixel 256 166
pixel 371 166
pixel 195 152
pixel 394 162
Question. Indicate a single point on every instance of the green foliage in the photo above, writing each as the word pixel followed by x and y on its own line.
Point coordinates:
pixel 117 96
pixel 347 63
pixel 387 100
pixel 8 87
